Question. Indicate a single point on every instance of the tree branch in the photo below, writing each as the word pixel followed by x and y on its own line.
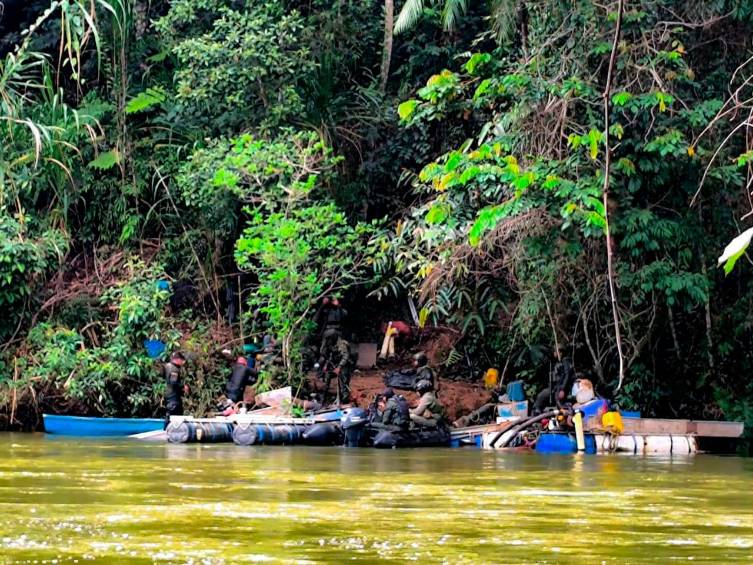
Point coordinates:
pixel 607 165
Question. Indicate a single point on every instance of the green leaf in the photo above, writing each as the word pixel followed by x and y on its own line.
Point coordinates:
pixel 745 158
pixel 145 100
pixel 477 60
pixel 406 109
pixel 621 98
pixel 594 137
pixel 106 160
pixel 437 214
pixel 482 88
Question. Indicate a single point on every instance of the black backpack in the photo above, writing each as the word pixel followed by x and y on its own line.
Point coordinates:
pixel 404 380
pixel 403 411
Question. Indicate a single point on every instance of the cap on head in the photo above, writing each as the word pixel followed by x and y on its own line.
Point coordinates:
pixel 423 385
pixel 420 358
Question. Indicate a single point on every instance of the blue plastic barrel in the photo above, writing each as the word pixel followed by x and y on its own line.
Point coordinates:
pixel 163 285
pixel 154 347
pixel 560 442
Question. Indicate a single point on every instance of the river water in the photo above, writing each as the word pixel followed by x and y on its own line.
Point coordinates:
pixel 121 501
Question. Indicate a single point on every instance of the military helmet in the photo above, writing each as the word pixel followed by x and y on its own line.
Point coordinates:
pixel 423 385
pixel 420 358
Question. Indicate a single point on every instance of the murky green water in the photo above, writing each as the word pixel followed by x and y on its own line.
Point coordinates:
pixel 64 501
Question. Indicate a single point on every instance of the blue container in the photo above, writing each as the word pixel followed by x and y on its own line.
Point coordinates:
pixel 515 391
pixel 559 442
pixel 630 414
pixel 163 285
pixel 154 348
pixel 90 426
pixel 594 408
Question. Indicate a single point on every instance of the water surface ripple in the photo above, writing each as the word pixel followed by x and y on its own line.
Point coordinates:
pixel 119 501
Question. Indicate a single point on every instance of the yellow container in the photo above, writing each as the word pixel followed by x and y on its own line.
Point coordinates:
pixel 612 421
pixel 491 378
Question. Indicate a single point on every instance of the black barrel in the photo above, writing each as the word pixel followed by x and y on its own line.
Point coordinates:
pixel 199 432
pixel 324 433
pixel 439 437
pixel 268 434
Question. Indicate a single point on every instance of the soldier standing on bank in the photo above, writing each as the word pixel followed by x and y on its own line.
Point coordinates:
pixel 336 360
pixel 174 386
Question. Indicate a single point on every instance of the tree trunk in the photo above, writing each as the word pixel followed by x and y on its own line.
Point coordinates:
pixel 389 16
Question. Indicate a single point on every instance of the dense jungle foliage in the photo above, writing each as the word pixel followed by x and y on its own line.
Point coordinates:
pixel 258 155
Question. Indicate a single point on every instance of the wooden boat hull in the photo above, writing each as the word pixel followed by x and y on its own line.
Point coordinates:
pixel 99 427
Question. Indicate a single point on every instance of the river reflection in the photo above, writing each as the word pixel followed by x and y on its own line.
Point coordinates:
pixel 68 501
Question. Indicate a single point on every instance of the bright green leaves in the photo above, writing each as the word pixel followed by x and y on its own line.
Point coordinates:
pixel 437 214
pixel 407 109
pixel 734 250
pixel 146 100
pixel 487 219
pixel 591 141
pixel 299 255
pixel 440 92
pixel 621 98
pixel 744 159
pixel 477 62
pixel 226 179
pixel 663 100
pixel 482 88
pixel 441 87
pixel 106 160
pixel 594 137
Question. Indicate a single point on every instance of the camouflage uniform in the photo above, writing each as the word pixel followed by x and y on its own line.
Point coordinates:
pixel 424 373
pixel 338 357
pixel 429 413
pixel 396 413
pixel 333 320
pixel 173 390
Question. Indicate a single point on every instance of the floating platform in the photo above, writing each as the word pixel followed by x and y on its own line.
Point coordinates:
pixel 644 436
pixel 251 428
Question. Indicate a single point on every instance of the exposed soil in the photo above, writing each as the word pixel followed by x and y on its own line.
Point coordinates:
pixel 459 398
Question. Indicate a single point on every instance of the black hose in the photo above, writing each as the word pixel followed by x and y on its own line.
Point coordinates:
pixel 520 426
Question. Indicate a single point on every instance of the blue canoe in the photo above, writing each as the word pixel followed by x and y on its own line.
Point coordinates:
pixel 88 426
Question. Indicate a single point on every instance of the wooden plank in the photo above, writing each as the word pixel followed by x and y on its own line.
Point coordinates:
pixel 655 426
pixel 659 426
pixel 717 429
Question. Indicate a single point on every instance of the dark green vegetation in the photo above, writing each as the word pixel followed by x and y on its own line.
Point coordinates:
pixel 460 162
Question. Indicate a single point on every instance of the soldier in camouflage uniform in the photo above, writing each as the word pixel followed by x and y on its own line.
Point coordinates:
pixel 429 413
pixel 396 414
pixel 423 371
pixel 174 387
pixel 336 360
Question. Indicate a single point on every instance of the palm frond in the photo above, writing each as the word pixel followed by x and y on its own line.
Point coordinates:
pixel 504 16
pixel 451 13
pixel 409 15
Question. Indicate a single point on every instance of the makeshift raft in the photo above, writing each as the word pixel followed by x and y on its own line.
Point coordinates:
pixel 640 436
pixel 245 429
